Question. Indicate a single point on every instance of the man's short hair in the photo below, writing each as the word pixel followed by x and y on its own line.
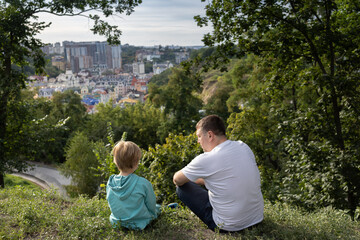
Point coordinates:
pixel 126 154
pixel 212 123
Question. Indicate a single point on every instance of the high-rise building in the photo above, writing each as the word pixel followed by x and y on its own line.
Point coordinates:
pixel 95 56
pixel 116 57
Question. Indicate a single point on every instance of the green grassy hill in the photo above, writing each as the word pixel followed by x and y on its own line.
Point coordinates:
pixel 32 213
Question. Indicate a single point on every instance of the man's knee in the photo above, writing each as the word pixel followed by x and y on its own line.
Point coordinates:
pixel 180 191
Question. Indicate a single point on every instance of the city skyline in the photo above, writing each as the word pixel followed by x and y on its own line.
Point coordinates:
pixel 153 22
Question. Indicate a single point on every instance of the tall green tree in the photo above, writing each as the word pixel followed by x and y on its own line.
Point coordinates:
pixel 312 48
pixel 179 98
pixel 81 165
pixel 18 42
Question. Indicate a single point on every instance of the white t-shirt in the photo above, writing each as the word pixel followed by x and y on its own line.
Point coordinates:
pixel 233 182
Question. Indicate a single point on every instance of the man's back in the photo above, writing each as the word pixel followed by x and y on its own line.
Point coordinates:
pixel 232 178
pixel 233 199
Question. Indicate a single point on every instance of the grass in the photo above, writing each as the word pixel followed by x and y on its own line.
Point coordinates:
pixel 32 213
pixel 11 181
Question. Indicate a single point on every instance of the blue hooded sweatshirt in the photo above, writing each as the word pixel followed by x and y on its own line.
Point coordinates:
pixel 132 201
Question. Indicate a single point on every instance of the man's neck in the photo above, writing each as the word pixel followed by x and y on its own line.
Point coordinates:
pixel 217 141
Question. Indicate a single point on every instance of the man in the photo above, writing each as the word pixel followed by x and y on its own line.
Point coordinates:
pixel 232 200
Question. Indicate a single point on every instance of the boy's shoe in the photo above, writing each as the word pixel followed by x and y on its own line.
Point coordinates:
pixel 173 205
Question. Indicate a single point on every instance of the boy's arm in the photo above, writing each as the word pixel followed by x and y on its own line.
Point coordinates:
pixel 150 199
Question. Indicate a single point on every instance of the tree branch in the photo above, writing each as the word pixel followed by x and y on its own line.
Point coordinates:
pixel 303 30
pixel 81 13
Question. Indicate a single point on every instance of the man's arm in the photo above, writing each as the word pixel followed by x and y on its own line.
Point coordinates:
pixel 200 181
pixel 180 179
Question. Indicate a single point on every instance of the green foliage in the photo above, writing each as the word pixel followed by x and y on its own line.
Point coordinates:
pixel 50 70
pixel 68 105
pixel 141 122
pixel 160 163
pixel 148 66
pixel 311 52
pixel 160 79
pixel 19 46
pixel 38 129
pixel 317 173
pixel 32 133
pixel 29 213
pixel 178 99
pixel 128 54
pixel 12 181
pixel 107 73
pixel 81 164
pixel 168 55
pixel 221 94
pixel 106 166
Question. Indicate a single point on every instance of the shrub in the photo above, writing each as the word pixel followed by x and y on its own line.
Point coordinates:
pixel 81 164
pixel 160 163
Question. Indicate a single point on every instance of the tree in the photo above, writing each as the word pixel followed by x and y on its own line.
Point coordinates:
pixel 18 28
pixel 81 164
pixel 68 105
pixel 128 53
pixel 140 121
pixel 160 79
pixel 179 99
pixel 312 48
pixel 33 134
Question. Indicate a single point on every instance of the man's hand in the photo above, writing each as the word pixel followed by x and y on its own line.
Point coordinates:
pixel 180 179
pixel 200 181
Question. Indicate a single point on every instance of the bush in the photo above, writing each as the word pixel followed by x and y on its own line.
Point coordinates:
pixel 160 163
pixel 81 164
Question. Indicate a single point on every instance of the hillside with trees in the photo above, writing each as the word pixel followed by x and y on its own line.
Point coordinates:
pixel 284 75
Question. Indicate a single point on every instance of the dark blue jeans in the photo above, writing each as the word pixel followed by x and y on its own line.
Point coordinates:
pixel 197 199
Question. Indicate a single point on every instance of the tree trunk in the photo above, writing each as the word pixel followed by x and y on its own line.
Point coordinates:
pixel 2 183
pixel 336 115
pixel 3 118
pixel 4 98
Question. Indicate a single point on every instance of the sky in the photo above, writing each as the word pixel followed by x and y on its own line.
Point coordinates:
pixel 154 22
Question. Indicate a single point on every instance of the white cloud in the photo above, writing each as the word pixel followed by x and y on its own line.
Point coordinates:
pixel 162 22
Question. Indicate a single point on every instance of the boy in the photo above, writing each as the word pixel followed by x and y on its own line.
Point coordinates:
pixel 131 198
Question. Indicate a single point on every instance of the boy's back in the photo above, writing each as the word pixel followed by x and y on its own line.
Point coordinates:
pixel 132 201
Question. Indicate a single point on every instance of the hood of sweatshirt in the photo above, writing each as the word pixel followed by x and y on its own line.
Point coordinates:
pixel 122 186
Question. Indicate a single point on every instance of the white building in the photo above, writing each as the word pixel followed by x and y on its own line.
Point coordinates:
pixel 160 67
pixel 121 89
pixel 46 92
pixel 138 68
pixel 116 57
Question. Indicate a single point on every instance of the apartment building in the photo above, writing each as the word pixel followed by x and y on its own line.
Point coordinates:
pixel 94 56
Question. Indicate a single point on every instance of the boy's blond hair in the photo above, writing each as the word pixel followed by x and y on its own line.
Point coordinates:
pixel 126 154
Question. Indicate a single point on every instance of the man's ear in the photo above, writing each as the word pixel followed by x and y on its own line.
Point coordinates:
pixel 210 134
